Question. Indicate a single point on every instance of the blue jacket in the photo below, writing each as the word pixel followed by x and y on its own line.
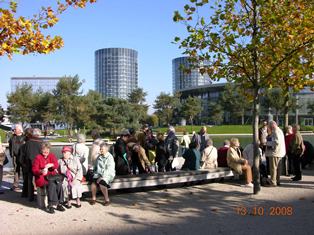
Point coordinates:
pixel 105 168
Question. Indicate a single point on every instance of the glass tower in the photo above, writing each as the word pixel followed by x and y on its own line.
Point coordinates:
pixel 182 80
pixel 116 72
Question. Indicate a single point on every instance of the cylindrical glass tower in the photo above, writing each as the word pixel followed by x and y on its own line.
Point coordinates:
pixel 182 80
pixel 116 72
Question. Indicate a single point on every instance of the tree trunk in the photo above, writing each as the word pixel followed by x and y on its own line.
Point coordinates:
pixel 256 159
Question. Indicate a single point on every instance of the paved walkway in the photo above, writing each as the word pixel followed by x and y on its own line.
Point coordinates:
pixel 216 208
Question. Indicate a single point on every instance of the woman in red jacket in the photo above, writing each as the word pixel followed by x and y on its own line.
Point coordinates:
pixel 44 166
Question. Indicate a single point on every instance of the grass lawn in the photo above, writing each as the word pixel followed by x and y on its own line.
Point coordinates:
pixel 223 129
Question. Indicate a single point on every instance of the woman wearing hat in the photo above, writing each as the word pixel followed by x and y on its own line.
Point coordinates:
pixel 71 167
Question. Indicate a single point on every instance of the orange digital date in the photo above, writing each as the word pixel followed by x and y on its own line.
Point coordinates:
pixel 265 211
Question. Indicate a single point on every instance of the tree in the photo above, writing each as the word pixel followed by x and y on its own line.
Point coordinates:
pixel 137 100
pixel 21 104
pixel 216 113
pixel 235 102
pixel 249 42
pixel 1 113
pixel 24 35
pixel 165 105
pixel 191 107
pixel 66 100
pixel 152 120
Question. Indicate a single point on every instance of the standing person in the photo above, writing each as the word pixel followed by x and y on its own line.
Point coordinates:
pixel 262 135
pixel 104 173
pixel 172 147
pixel 237 163
pixel 200 139
pixel 185 141
pixel 222 154
pixel 288 138
pixel 161 153
pixel 71 167
pixel 275 151
pixel 25 165
pixel 32 148
pixel 121 154
pixel 46 164
pixel 15 143
pixel 209 156
pixel 81 151
pixel 297 149
pixel 2 162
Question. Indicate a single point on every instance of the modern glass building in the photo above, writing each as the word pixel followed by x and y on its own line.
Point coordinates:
pixel 45 84
pixel 182 80
pixel 116 72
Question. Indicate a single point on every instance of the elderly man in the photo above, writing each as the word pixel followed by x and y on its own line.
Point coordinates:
pixel 275 151
pixel 200 139
pixel 15 143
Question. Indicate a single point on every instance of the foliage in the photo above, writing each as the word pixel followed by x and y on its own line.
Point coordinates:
pixel 216 113
pixel 24 35
pixel 191 107
pixel 310 108
pixel 137 100
pixel 165 106
pixel 152 120
pixel 250 42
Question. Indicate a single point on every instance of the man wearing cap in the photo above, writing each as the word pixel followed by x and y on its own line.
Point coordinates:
pixel 121 154
pixel 15 143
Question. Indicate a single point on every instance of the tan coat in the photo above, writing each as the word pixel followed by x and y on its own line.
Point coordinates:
pixel 235 160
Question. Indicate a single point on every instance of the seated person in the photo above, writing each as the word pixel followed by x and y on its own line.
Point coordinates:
pixel 143 163
pixel 192 158
pixel 209 156
pixel 237 163
pixel 44 167
pixel 71 167
pixel 104 173
pixel 222 154
pixel 161 153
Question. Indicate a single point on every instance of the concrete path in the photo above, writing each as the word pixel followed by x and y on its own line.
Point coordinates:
pixel 216 208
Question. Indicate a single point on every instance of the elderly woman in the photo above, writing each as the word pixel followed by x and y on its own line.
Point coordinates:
pixel 44 168
pixel 81 151
pixel 209 156
pixel 71 167
pixel 104 173
pixel 237 163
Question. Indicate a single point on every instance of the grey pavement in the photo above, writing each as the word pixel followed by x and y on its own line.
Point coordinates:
pixel 214 208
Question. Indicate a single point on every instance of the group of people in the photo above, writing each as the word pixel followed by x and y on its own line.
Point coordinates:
pixel 137 152
pixel 58 179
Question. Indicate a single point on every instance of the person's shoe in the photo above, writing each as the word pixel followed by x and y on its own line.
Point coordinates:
pixel 92 202
pixel 106 203
pixel 50 210
pixel 270 185
pixel 249 185
pixel 78 206
pixel 60 207
pixel 67 206
pixel 16 189
pixel 296 178
pixel 278 184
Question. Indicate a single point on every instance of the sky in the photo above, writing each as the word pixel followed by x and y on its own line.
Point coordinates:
pixel 143 25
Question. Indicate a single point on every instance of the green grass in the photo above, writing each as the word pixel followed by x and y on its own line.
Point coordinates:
pixel 223 129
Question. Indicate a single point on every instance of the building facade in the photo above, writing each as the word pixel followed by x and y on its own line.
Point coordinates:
pixel 45 84
pixel 211 93
pixel 116 72
pixel 182 80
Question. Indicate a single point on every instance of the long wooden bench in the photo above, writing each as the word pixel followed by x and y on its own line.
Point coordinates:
pixel 166 178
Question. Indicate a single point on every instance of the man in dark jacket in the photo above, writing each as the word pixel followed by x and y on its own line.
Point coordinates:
pixel 15 143
pixel 121 154
pixel 172 147
pixel 31 149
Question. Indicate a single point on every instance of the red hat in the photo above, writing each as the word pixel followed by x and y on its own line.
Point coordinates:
pixel 66 149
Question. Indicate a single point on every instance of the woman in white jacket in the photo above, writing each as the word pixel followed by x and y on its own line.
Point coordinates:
pixel 209 156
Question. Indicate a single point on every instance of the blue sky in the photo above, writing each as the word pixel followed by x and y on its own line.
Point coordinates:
pixel 143 25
